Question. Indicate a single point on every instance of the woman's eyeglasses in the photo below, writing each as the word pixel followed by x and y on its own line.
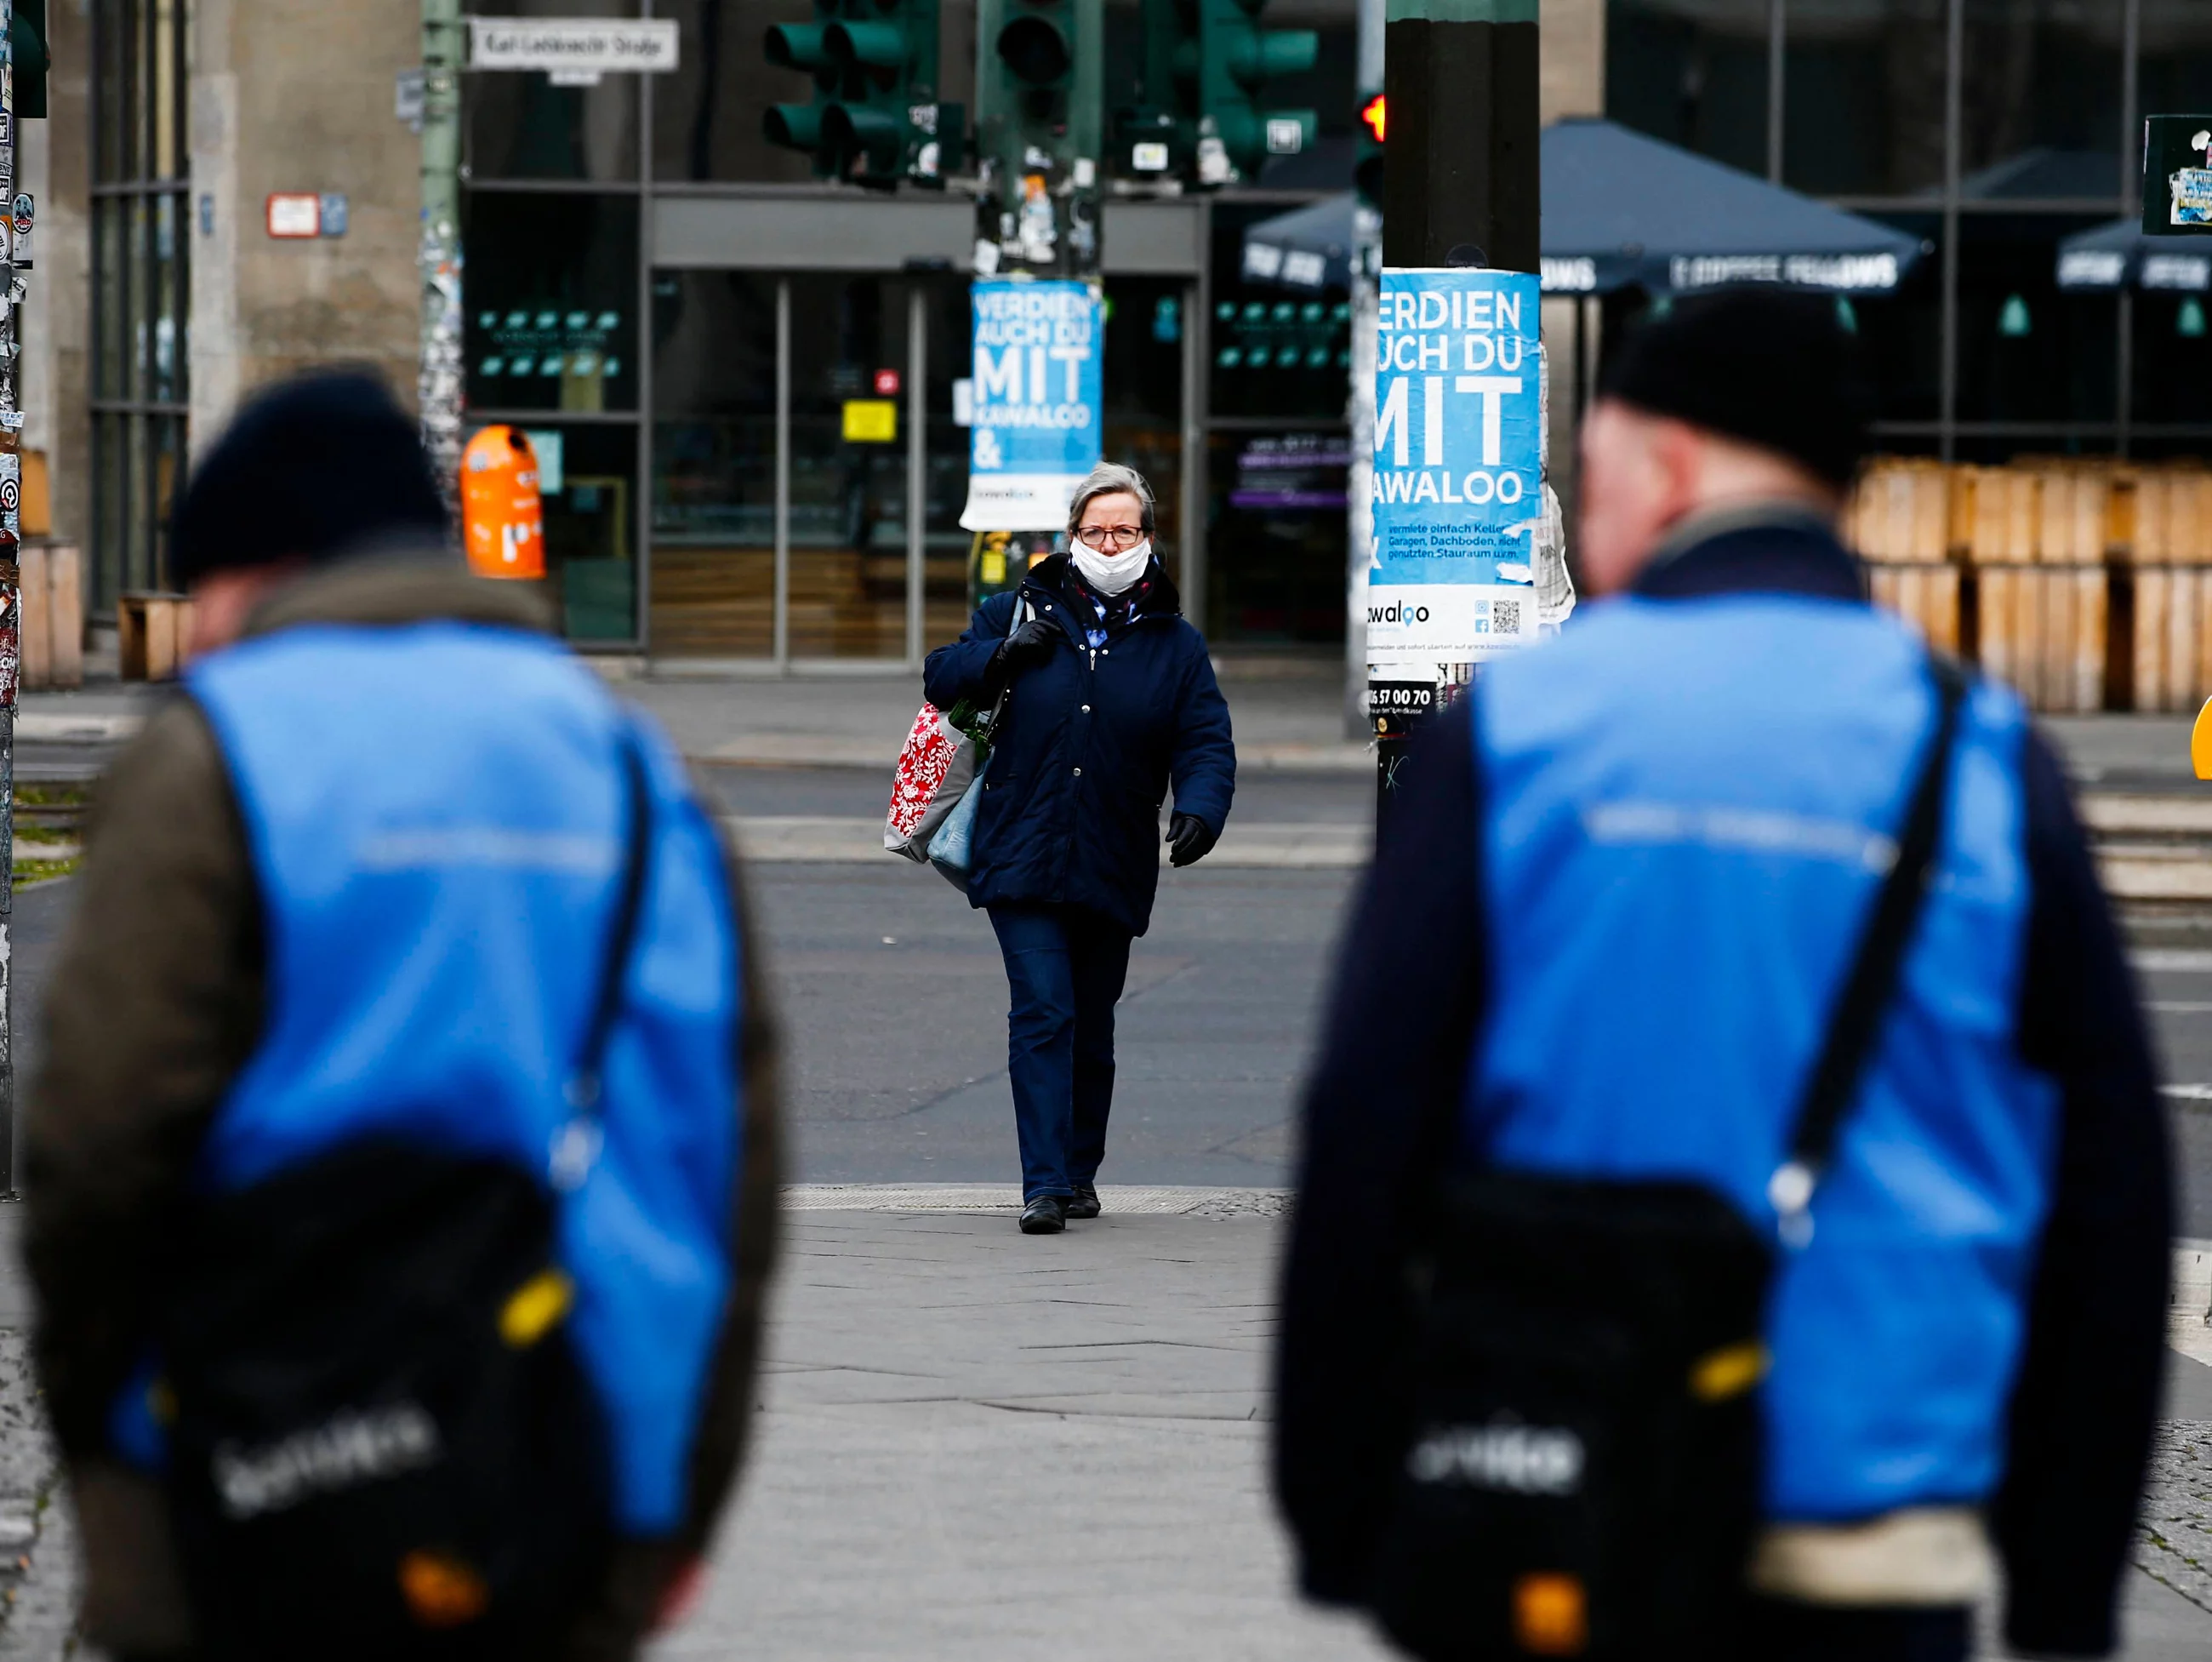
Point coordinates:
pixel 1101 536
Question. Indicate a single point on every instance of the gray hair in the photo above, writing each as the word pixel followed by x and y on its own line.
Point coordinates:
pixel 1110 479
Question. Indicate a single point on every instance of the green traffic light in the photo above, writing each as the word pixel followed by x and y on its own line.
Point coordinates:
pixel 1036 50
pixel 798 46
pixel 794 127
pixel 879 47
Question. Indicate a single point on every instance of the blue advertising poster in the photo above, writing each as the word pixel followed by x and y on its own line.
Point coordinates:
pixel 1458 483
pixel 1039 384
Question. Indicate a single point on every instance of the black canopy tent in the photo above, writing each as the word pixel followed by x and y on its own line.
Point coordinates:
pixel 2119 256
pixel 1623 210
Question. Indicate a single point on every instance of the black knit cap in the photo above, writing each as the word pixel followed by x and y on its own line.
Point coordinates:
pixel 311 469
pixel 1772 365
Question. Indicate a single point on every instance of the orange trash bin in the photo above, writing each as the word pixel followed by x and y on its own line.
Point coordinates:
pixel 503 516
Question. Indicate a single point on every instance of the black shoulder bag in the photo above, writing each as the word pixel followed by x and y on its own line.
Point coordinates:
pixel 382 1444
pixel 1580 1461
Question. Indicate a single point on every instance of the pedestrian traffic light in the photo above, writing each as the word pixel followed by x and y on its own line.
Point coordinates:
pixel 874 118
pixel 28 50
pixel 1367 168
pixel 1236 60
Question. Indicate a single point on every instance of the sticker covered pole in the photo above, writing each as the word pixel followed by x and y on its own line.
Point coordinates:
pixel 439 254
pixel 11 591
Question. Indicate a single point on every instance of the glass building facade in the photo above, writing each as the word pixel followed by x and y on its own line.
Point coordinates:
pixel 1990 129
pixel 140 288
pixel 679 313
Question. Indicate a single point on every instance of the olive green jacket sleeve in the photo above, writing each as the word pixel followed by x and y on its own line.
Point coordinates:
pixel 155 1006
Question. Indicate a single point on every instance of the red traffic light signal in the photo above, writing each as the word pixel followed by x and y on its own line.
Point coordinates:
pixel 1372 116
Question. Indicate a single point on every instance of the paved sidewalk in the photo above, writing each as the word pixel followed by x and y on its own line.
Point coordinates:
pixel 977 1444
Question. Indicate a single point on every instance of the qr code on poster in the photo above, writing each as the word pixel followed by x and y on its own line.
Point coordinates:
pixel 1505 616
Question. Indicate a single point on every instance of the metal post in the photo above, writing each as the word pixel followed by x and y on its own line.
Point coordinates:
pixel 917 470
pixel 1953 151
pixel 439 388
pixel 1197 407
pixel 781 626
pixel 11 611
pixel 1461 163
pixel 1359 411
pixel 1461 169
pixel 1777 63
pixel 2130 164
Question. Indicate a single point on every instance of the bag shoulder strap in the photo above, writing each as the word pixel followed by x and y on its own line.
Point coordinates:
pixel 1015 619
pixel 1857 1019
pixel 622 935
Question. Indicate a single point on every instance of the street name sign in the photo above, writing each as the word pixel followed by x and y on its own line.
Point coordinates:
pixel 574 45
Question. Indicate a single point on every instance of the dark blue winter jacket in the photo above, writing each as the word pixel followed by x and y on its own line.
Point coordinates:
pixel 1089 743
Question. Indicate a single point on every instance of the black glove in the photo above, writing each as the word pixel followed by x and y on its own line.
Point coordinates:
pixel 1190 839
pixel 1032 643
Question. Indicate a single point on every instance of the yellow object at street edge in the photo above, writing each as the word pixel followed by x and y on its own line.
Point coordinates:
pixel 2200 742
pixel 537 1305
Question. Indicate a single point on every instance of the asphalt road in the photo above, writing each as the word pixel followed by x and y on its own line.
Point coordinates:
pixel 895 1002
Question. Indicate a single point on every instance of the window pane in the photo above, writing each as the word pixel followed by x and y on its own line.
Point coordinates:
pixel 2173 358
pixel 520 125
pixel 551 301
pixel 714 457
pixel 849 520
pixel 1143 395
pixel 2029 352
pixel 587 474
pixel 1902 333
pixel 2041 91
pixel 107 497
pixel 138 262
pixel 946 546
pixel 2177 57
pixel 1692 72
pixel 1863 114
pixel 1275 536
pixel 707 113
pixel 1277 351
pixel 165 438
pixel 110 216
pixel 165 381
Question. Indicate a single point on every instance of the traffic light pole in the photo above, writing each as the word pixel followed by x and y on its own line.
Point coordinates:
pixel 445 51
pixel 1461 167
pixel 1460 182
pixel 11 608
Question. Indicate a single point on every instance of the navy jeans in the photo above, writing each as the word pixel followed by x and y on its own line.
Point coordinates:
pixel 1065 967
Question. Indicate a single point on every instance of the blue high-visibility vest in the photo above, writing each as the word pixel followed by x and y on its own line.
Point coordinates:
pixel 1688 806
pixel 437 815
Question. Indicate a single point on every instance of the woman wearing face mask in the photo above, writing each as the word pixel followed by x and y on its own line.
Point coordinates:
pixel 1111 699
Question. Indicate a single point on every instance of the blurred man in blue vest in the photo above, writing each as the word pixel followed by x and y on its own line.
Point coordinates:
pixel 394 887
pixel 1601 938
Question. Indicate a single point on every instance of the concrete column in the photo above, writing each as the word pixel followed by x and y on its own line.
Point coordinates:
pixel 297 96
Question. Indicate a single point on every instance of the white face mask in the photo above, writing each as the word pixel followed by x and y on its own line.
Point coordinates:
pixel 1109 574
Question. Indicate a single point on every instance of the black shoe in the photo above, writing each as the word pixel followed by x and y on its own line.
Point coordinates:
pixel 1045 1216
pixel 1084 1204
